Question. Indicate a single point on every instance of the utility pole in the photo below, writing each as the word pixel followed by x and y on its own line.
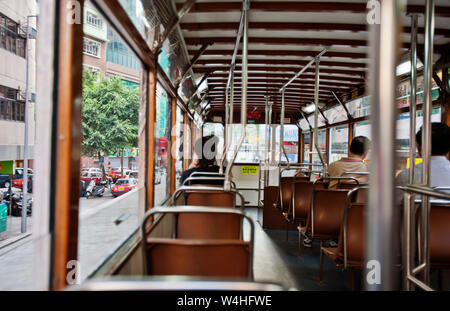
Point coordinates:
pixel 25 147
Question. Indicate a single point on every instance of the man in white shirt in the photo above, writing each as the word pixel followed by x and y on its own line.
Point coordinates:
pixel 439 165
pixel 353 163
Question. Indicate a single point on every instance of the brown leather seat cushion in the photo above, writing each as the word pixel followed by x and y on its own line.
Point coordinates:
pixel 209 258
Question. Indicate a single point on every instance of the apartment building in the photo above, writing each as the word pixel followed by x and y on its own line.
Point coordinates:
pixel 13 27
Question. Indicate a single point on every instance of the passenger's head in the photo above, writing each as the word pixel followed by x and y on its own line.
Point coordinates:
pixel 359 147
pixel 440 139
pixel 205 150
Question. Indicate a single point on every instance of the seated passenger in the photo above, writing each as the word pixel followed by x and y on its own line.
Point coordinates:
pixel 205 152
pixel 439 164
pixel 353 163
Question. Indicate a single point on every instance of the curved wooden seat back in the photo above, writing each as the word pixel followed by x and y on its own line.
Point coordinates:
pixel 301 199
pixel 209 226
pixel 285 193
pixel 356 234
pixel 328 209
pixel 209 198
pixel 362 194
pixel 206 258
pixel 440 235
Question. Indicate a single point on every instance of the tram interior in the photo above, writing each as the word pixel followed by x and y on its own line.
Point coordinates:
pixel 285 87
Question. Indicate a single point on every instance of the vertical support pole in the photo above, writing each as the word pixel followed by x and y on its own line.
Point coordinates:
pixel 23 228
pixel 426 133
pixel 412 102
pixel 282 149
pixel 245 8
pixel 316 115
pixel 381 218
pixel 66 141
pixel 351 127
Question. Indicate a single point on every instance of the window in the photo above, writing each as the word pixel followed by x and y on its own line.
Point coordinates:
pixel 93 20
pixel 338 143
pixel 11 109
pixel 179 134
pixel 253 149
pixel 306 147
pixel 10 39
pixel 322 144
pixel 162 160
pixel 91 47
pixel 118 53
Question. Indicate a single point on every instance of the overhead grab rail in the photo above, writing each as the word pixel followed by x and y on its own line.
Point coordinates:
pixel 316 59
pixel 229 94
pixel 245 8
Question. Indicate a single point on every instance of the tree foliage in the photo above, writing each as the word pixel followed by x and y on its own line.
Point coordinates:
pixel 110 115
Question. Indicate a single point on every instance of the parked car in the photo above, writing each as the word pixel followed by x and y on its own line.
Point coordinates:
pixel 123 186
pixel 5 181
pixel 97 177
pixel 18 183
pixel 133 174
pixel 116 173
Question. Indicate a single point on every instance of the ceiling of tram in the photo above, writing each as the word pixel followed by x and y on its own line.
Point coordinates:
pixel 283 37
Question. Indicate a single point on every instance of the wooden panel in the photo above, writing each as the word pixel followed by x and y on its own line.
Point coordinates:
pixel 151 140
pixel 66 177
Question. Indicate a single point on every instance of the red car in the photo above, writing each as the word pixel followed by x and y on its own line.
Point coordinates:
pixel 123 186
pixel 97 177
pixel 116 173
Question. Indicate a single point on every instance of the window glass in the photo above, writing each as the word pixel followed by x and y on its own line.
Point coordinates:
pixel 162 128
pixel 253 149
pixel 359 107
pixel 322 144
pixel 403 128
pixel 179 136
pixel 338 143
pixel 336 114
pixel 306 147
pixel 110 125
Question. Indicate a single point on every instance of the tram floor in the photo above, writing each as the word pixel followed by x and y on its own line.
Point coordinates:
pixel 276 260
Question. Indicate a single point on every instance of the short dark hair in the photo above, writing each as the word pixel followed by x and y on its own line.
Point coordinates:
pixel 206 150
pixel 440 138
pixel 359 145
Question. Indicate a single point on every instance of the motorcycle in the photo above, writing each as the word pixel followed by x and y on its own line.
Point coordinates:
pixel 15 200
pixel 94 190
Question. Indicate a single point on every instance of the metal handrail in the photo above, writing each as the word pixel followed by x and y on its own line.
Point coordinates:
pixel 408 224
pixel 196 209
pixel 206 178
pixel 344 222
pixel 182 189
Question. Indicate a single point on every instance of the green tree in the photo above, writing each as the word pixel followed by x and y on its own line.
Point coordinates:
pixel 110 115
